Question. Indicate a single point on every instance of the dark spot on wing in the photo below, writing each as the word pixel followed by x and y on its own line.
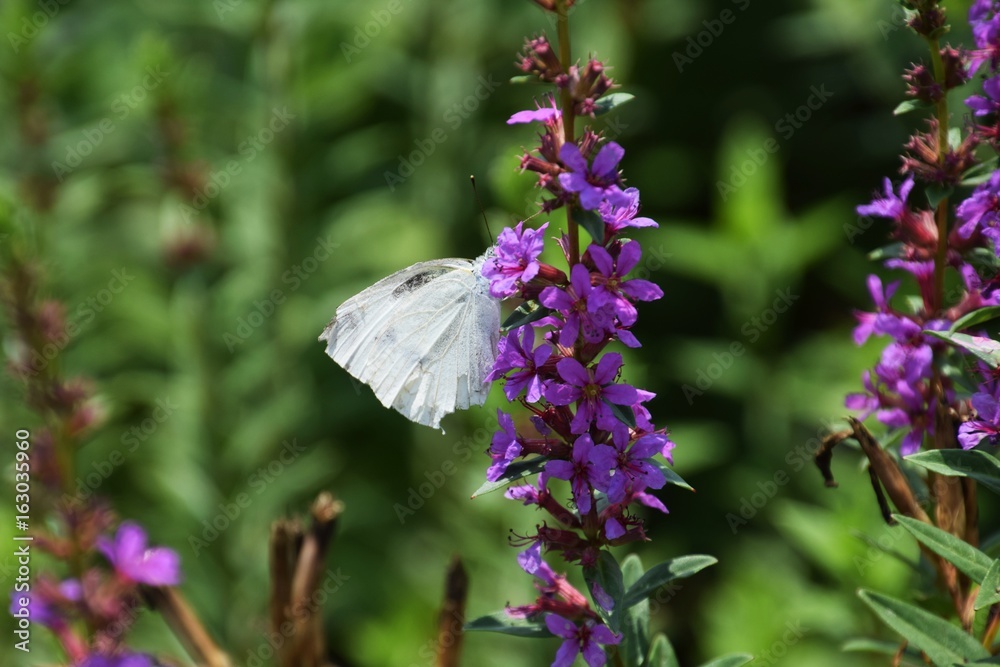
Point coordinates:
pixel 415 282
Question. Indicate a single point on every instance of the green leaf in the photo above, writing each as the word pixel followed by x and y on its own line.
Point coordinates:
pixel 908 106
pixel 989 591
pixel 515 471
pixel 503 623
pixel 592 222
pixel 936 192
pixel 972 463
pixel 976 317
pixel 661 653
pixel 664 573
pixel 525 78
pixel 891 251
pixel 943 643
pixel 734 660
pixel 980 173
pixel 526 313
pixel 635 626
pixel 962 555
pixel 672 477
pixel 910 655
pixel 608 575
pixel 985 348
pixel 954 137
pixel 611 102
pixel 622 413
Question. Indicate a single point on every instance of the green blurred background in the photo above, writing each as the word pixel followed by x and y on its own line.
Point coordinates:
pixel 231 158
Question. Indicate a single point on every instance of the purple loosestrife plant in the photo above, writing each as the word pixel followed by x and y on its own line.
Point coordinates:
pixel 585 426
pixel 927 388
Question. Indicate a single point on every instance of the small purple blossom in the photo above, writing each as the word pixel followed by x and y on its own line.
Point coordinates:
pixel 584 471
pixel 586 638
pixel 515 353
pixel 592 389
pixel 572 304
pixel 632 468
pixel 986 426
pixel 515 260
pixel 43 602
pixel 990 104
pixel 890 206
pixel 125 659
pixel 542 114
pixel 594 183
pixel 132 559
pixel 611 288
pixel 622 213
pixel 504 447
pixel 982 211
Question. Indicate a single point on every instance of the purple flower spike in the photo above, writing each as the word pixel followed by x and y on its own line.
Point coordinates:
pixel 592 389
pixel 586 639
pixel 596 183
pixel 132 559
pixel 515 261
pixel 583 472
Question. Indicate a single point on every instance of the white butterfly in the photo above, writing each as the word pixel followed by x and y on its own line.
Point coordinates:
pixel 424 339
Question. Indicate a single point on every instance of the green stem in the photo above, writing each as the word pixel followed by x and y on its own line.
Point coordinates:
pixel 568 118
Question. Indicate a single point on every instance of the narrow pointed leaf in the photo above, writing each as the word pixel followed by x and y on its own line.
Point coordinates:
pixel 609 576
pixel 989 591
pixel 944 643
pixel 978 465
pixel 986 349
pixel 734 660
pixel 503 623
pixel 672 477
pixel 936 193
pixel 610 102
pixel 891 251
pixel 962 555
pixel 980 173
pixel 622 413
pixel 526 313
pixel 515 471
pixel 635 626
pixel 661 653
pixel 592 222
pixel 908 106
pixel 910 656
pixel 525 78
pixel 664 573
pixel 976 317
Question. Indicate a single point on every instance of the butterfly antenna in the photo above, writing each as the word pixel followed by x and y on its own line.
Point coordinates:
pixel 481 209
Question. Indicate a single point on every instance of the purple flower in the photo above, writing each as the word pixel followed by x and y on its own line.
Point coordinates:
pixel 984 106
pixel 585 639
pixel 595 183
pixel 982 211
pixel 584 471
pixel 515 261
pixel 592 389
pixel 611 289
pixel 132 559
pixel 118 660
pixel 985 23
pixel 541 114
pixel 987 423
pixel 572 304
pixel 632 469
pixel 617 216
pixel 517 354
pixel 504 448
pixel 891 206
pixel 866 321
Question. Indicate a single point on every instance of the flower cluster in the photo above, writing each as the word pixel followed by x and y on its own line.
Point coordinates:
pixel 906 390
pixel 587 427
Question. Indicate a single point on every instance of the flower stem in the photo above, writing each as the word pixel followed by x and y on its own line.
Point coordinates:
pixel 569 132
pixel 941 214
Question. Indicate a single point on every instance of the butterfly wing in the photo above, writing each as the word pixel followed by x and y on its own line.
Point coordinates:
pixel 424 338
